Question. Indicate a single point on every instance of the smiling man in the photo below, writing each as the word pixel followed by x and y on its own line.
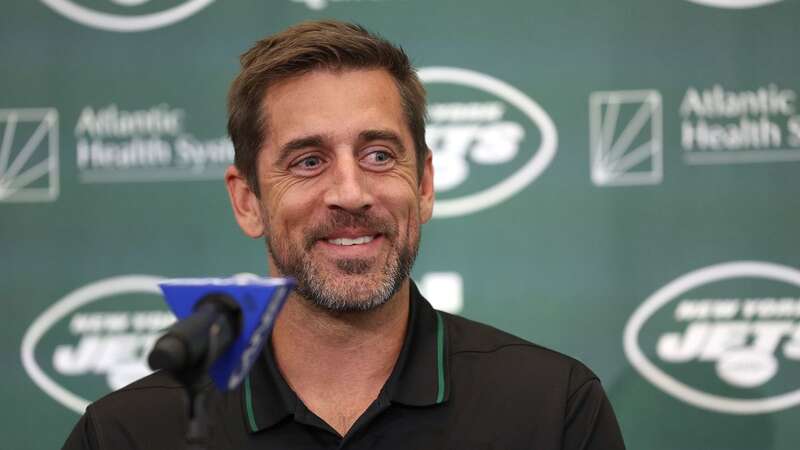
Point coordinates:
pixel 333 171
pixel 336 188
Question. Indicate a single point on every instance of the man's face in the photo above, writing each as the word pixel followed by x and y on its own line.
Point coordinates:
pixel 341 203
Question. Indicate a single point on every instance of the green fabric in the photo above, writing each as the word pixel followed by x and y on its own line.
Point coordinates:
pixel 248 402
pixel 440 356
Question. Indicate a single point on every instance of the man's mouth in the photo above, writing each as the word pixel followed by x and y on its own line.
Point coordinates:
pixel 351 241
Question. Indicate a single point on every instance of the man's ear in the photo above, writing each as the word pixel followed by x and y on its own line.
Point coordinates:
pixel 426 193
pixel 245 203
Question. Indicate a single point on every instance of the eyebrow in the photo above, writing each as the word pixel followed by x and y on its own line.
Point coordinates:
pixel 315 140
pixel 383 135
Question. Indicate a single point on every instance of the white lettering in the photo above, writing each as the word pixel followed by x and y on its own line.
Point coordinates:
pixel 466 112
pixel 793 130
pixel 719 103
pixel 143 321
pixel 113 322
pixel 688 310
pixel 493 143
pixel 135 153
pixel 743 135
pixel 672 347
pixel 767 335
pixel 710 341
pixel 69 360
pixel 497 143
pixel 199 154
pixel 771 308
pixel 791 349
pixel 101 354
pixel 112 122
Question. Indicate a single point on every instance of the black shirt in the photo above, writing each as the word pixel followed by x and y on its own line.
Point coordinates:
pixel 457 384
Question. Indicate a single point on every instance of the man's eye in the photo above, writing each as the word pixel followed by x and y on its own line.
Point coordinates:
pixel 310 162
pixel 379 157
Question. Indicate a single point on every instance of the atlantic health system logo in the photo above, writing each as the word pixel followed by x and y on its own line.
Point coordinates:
pixel 28 155
pixel 115 144
pixel 724 338
pixel 127 15
pixel 751 125
pixel 626 138
pixel 489 139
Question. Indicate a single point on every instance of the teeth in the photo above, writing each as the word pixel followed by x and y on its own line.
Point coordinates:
pixel 356 241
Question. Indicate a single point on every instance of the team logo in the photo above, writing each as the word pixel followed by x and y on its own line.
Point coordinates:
pixel 126 15
pixel 724 338
pixel 28 155
pixel 96 339
pixel 626 139
pixel 734 4
pixel 488 138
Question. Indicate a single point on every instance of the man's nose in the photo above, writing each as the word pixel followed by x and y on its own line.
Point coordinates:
pixel 349 186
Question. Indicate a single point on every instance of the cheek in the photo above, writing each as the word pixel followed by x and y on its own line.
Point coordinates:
pixel 289 208
pixel 402 204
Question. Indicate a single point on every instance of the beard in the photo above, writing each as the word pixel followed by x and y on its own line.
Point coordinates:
pixel 356 285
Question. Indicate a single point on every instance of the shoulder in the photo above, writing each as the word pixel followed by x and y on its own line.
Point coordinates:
pixel 156 389
pixel 152 409
pixel 533 393
pixel 483 349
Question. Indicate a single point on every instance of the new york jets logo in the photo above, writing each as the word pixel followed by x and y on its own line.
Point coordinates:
pixel 126 15
pixel 489 139
pixel 724 338
pixel 95 339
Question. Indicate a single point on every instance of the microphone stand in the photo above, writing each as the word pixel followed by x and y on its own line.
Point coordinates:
pixel 196 411
pixel 189 348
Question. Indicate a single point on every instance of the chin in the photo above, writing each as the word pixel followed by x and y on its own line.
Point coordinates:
pixel 350 293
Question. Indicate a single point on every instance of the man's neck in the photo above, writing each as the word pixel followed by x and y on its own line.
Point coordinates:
pixel 337 363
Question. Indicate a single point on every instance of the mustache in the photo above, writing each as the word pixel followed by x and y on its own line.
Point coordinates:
pixel 338 219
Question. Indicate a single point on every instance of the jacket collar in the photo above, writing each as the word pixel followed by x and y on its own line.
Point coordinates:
pixel 420 376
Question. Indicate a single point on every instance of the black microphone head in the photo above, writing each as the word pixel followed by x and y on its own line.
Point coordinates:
pixel 169 353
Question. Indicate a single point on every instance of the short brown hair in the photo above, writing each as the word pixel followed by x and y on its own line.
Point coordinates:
pixel 300 49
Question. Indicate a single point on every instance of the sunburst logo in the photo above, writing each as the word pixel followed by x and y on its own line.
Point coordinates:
pixel 28 155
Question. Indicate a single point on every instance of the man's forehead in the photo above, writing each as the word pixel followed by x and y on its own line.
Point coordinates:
pixel 331 103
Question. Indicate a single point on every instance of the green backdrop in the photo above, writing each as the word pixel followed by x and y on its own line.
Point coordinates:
pixel 617 180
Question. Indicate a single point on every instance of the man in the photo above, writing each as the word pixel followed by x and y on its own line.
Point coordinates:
pixel 332 168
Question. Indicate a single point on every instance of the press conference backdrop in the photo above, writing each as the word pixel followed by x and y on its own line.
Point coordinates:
pixel 616 180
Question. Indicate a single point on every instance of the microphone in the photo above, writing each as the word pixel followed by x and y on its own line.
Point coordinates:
pixel 223 323
pixel 198 340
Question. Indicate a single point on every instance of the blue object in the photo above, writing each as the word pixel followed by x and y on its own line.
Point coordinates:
pixel 260 300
